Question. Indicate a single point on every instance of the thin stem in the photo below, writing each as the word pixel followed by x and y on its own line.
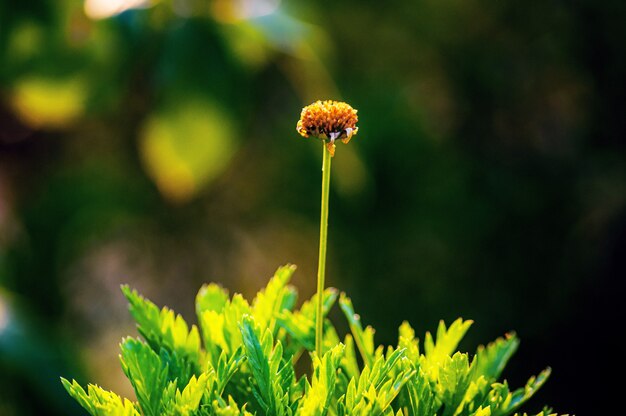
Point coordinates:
pixel 321 267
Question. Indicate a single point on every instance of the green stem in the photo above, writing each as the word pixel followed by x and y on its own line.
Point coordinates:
pixel 321 266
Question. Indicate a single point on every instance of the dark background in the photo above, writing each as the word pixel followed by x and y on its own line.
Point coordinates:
pixel 157 147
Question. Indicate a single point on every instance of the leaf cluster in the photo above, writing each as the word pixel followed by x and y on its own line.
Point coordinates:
pixel 241 361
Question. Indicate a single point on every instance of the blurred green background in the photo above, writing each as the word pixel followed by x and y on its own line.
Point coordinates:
pixel 153 143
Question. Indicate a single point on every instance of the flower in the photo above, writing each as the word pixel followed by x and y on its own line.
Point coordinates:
pixel 329 120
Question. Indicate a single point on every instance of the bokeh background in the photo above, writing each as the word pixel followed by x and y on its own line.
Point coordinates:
pixel 153 143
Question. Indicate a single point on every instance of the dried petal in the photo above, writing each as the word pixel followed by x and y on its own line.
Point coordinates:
pixel 329 120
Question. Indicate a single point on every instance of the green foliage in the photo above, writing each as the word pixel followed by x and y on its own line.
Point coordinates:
pixel 100 402
pixel 246 365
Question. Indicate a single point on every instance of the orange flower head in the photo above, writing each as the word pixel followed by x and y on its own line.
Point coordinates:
pixel 329 120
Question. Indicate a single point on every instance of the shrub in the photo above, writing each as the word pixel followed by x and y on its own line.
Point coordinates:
pixel 241 361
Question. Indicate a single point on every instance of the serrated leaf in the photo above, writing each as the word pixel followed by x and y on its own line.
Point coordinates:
pixel 364 338
pixel 349 361
pixel 259 364
pixel 267 367
pixel 234 311
pixel 510 402
pixel 99 402
pixel 147 374
pixel 317 399
pixel 407 340
pixel 300 325
pixel 164 329
pixel 545 412
pixel 491 360
pixel 179 367
pixel 453 381
pixel 227 367
pixel 168 398
pixel 188 401
pixel 420 396
pixel 379 386
pixel 230 408
pixel 436 352
pixel 482 411
pixel 474 395
pixel 212 328
pixel 274 299
pixel 211 297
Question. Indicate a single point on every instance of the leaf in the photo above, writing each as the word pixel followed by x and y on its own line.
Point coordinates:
pixel 488 365
pixel 453 381
pixel 504 402
pixel 211 297
pixel 99 402
pixel 168 399
pixel 407 340
pixel 227 367
pixel 364 338
pixel 188 400
pixel 482 411
pixel 420 398
pixel 318 398
pixel 163 329
pixel 491 360
pixel 544 412
pixel 274 299
pixel 230 408
pixel 386 368
pixel 379 386
pixel 301 324
pixel 475 394
pixel 259 364
pixel 435 353
pixel 233 314
pixel 147 374
pixel 213 334
pixel 265 363
pixel 348 361
pixel 179 368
